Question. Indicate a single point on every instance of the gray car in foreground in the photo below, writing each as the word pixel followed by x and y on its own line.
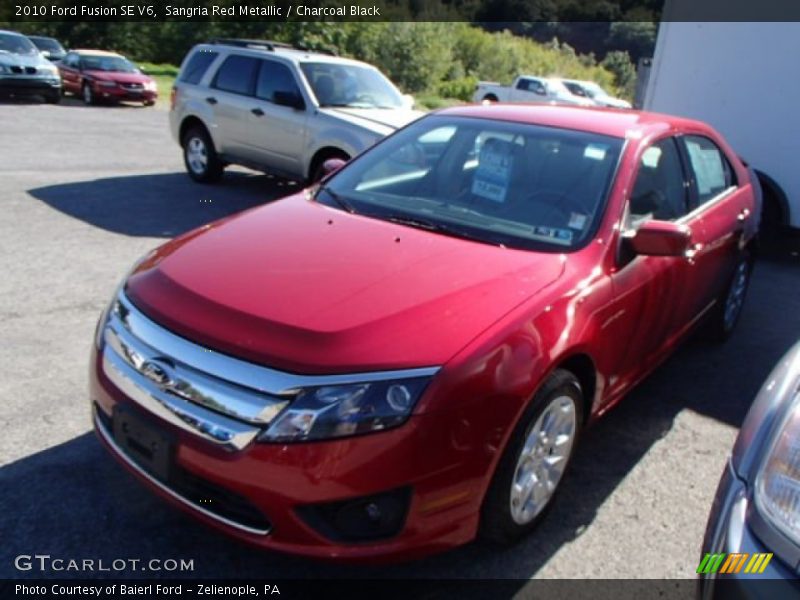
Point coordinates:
pixel 752 543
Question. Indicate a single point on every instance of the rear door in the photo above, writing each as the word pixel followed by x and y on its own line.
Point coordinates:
pixel 231 99
pixel 719 209
pixel 276 133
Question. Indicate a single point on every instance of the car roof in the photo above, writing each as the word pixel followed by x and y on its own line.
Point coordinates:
pixel 296 55
pixel 6 31
pixel 87 52
pixel 604 121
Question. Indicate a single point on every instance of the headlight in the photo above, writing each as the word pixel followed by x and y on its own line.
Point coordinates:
pixel 777 488
pixel 344 410
pixel 106 83
pixel 150 86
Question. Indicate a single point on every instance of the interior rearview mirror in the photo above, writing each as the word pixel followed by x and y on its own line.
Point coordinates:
pixel 661 238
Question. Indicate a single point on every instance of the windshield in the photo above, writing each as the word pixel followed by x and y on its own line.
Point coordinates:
pixel 48 44
pixel 502 183
pixel 108 63
pixel 350 85
pixel 17 44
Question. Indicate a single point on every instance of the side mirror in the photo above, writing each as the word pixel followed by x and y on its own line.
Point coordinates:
pixel 661 238
pixel 330 166
pixel 290 99
pixel 408 101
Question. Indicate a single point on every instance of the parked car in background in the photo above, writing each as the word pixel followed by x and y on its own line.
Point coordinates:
pixel 404 356
pixel 278 109
pixel 528 89
pixel 593 91
pixel 97 75
pixel 753 530
pixel 50 48
pixel 24 71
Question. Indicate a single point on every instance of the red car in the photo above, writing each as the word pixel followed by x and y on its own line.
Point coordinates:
pixel 97 75
pixel 403 357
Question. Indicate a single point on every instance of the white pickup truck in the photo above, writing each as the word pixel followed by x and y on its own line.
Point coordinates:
pixel 528 89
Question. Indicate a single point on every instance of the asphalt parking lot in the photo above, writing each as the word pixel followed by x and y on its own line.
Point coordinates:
pixel 85 191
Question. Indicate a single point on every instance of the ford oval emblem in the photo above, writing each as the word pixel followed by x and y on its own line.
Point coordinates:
pixel 155 372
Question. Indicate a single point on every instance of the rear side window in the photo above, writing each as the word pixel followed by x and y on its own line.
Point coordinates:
pixel 237 75
pixel 712 172
pixel 274 77
pixel 197 66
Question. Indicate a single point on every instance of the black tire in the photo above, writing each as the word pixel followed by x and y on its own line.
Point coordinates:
pixel 53 97
pixel 87 95
pixel 316 172
pixel 149 103
pixel 720 324
pixel 497 523
pixel 490 98
pixel 207 170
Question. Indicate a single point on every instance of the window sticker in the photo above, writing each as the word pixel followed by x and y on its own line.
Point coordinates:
pixel 707 165
pixel 595 151
pixel 554 234
pixel 577 221
pixel 493 173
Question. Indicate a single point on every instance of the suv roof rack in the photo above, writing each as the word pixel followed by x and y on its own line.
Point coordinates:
pixel 268 45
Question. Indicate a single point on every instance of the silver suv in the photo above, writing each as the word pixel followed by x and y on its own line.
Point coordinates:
pixel 278 109
pixel 25 71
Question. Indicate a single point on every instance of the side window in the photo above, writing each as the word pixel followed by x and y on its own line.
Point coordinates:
pixel 712 172
pixel 197 67
pixel 274 77
pixel 537 87
pixel 658 191
pixel 237 75
pixel 522 84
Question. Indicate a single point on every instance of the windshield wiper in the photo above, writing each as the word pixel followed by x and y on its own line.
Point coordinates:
pixel 340 200
pixel 435 227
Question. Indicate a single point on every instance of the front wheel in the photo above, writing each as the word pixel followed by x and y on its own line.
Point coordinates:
pixel 88 94
pixel 729 306
pixel 53 97
pixel 537 456
pixel 200 157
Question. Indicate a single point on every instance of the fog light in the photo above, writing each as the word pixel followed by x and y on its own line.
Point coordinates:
pixel 360 519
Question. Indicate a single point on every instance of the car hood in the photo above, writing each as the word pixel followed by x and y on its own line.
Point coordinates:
pixel 380 120
pixel 23 60
pixel 302 287
pixel 612 102
pixel 118 76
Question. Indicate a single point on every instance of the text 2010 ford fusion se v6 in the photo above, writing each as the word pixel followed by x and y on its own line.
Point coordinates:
pixel 403 357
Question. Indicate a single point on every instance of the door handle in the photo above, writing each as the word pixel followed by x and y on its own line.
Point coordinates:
pixel 257 112
pixel 211 100
pixel 744 215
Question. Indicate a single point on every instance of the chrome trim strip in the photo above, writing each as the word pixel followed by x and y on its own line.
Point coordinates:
pixel 230 434
pixel 237 371
pixel 173 377
pixel 166 489
pixel 708 204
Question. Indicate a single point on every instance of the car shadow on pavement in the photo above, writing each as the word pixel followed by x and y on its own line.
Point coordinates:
pixel 73 500
pixel 161 205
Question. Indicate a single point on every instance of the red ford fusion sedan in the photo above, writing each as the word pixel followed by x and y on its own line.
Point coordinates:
pixel 403 357
pixel 97 76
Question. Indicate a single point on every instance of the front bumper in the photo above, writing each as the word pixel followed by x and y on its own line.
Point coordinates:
pixel 121 94
pixel 729 531
pixel 279 481
pixel 29 85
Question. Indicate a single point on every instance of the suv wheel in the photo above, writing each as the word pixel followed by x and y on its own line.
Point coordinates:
pixel 200 157
pixel 88 95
